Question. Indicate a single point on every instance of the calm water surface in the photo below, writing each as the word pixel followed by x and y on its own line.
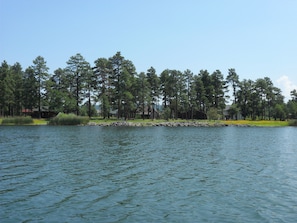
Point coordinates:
pixel 148 174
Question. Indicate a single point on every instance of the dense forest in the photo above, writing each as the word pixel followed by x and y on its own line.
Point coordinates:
pixel 114 84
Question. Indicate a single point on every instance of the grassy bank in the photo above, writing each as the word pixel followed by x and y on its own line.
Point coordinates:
pixel 41 121
pixel 17 121
pixel 68 119
pixel 264 123
pixel 63 119
pixel 22 121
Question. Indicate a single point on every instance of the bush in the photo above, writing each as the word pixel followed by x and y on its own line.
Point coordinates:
pixel 68 119
pixel 17 121
pixel 166 114
pixel 293 123
pixel 212 114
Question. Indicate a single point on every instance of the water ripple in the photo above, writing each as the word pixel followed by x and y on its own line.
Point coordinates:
pixel 106 174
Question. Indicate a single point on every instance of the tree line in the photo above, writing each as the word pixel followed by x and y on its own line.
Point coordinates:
pixel 114 84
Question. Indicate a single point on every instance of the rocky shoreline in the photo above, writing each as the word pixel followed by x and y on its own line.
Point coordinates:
pixel 163 124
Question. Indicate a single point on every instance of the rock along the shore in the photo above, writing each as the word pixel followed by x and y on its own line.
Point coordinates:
pixel 160 124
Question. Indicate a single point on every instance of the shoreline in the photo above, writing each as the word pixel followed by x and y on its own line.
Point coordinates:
pixel 165 124
pixel 172 123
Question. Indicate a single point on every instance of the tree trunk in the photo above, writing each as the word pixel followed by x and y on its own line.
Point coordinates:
pixel 77 95
pixel 89 105
pixel 142 111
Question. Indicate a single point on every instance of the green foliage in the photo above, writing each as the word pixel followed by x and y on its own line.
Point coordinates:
pixel 166 113
pixel 233 110
pixel 292 108
pixel 174 90
pixel 279 112
pixel 151 91
pixel 142 90
pixel 212 114
pixel 233 79
pixel 11 89
pixel 68 119
pixel 124 87
pixel 40 72
pixel 219 86
pixel 293 122
pixel 17 121
pixel 121 91
pixel 102 84
pixel 84 111
pixel 30 96
pixel 77 73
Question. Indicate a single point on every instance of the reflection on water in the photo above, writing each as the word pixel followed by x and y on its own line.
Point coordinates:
pixel 148 174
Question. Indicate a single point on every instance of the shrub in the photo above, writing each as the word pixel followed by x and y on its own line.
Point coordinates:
pixel 212 114
pixel 293 123
pixel 17 121
pixel 166 114
pixel 68 119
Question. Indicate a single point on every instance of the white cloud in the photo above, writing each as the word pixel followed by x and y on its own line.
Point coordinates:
pixel 286 85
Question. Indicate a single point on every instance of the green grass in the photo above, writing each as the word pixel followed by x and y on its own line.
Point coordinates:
pixel 17 121
pixel 40 121
pixel 68 119
pixel 268 123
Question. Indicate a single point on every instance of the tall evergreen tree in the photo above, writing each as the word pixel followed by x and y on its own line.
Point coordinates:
pixel 292 105
pixel 219 88
pixel 77 73
pixel 58 96
pixel 244 97
pixel 170 86
pixel 189 96
pixel 143 92
pixel 128 89
pixel 116 63
pixel 199 93
pixel 17 73
pixel 165 87
pixel 182 94
pixel 4 89
pixel 122 78
pixel 102 72
pixel 90 87
pixel 31 88
pixel 207 100
pixel 233 79
pixel 260 88
pixel 154 88
pixel 40 71
pixel 10 89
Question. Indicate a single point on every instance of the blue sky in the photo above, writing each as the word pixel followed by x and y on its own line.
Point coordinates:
pixel 256 37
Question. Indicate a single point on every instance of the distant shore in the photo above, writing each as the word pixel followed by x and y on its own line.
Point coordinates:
pixel 175 123
pixel 164 124
pixel 187 123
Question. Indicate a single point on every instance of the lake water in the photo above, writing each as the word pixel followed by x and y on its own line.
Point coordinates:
pixel 148 174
